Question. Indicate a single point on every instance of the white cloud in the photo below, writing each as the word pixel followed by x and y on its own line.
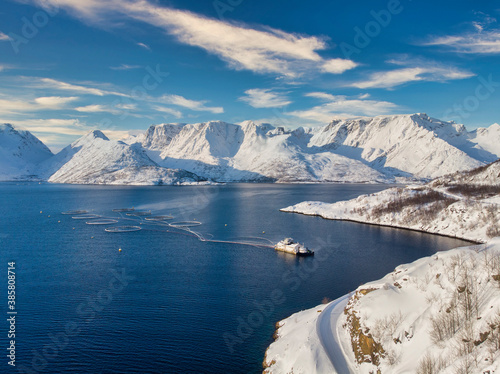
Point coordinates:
pixel 324 96
pixel 393 78
pixel 145 46
pixel 54 132
pixel 190 104
pixel 52 126
pixel 174 112
pixel 18 106
pixel 479 42
pixel 48 83
pixel 123 106
pixel 3 37
pixel 96 108
pixel 263 50
pixel 125 67
pixel 264 98
pixel 337 66
pixel 118 108
pixel 343 107
pixel 54 102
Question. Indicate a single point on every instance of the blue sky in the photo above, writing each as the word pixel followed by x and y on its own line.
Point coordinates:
pixel 68 66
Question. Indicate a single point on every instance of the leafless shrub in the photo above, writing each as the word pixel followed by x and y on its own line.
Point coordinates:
pixel 464 365
pixel 493 339
pixel 474 190
pixel 445 324
pixel 493 231
pixel 392 357
pixel 427 365
pixel 418 199
pixel 384 328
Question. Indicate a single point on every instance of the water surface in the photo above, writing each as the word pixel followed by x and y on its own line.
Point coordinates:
pixel 182 305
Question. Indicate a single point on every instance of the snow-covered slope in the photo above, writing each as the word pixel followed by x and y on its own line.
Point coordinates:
pixel 94 159
pixel 487 139
pixel 439 314
pixel 485 175
pixel 228 152
pixel 416 144
pixel 159 136
pixel 20 153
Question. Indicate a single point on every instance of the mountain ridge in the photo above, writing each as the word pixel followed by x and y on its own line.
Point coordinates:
pixel 381 149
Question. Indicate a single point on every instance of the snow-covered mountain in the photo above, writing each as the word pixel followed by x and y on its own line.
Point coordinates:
pixel 487 138
pixel 379 149
pixel 20 153
pixel 374 149
pixel 94 159
pixel 417 144
pixel 228 152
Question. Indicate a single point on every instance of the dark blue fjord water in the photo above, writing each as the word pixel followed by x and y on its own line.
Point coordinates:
pixel 167 302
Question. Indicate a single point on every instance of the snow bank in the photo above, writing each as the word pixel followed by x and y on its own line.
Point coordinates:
pixel 439 314
pixel 447 214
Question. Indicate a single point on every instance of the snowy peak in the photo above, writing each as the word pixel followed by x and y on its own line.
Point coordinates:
pixel 89 138
pixel 487 139
pixel 23 143
pixel 415 143
pixel 206 142
pixel 94 159
pixel 20 153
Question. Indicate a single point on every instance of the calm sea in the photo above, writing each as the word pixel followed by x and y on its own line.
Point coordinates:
pixel 168 302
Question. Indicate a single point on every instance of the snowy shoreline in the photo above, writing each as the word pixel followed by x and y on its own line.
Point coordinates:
pixel 427 208
pixel 473 241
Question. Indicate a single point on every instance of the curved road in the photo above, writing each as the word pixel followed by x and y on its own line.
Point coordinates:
pixel 326 328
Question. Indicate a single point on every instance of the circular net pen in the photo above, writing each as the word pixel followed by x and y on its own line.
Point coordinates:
pixel 103 221
pixel 123 229
pixel 87 216
pixel 74 212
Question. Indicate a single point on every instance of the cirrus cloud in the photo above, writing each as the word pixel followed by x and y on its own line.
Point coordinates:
pixel 190 104
pixel 20 106
pixel 261 50
pixel 479 42
pixel 173 112
pixel 264 98
pixel 340 106
pixel 397 77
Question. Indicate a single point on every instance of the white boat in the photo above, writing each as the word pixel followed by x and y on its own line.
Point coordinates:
pixel 288 245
